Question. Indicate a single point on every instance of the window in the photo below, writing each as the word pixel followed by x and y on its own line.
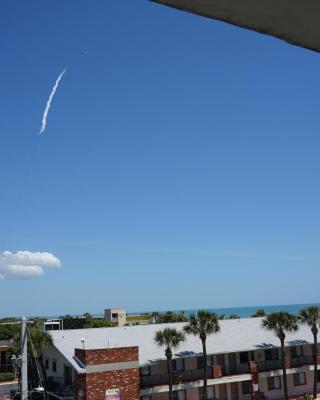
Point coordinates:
pixel 299 379
pixel 244 357
pixel 246 387
pixel 296 351
pixel 200 362
pixel 54 365
pixel 210 392
pixel 271 354
pixel 178 364
pixel 274 383
pixel 46 363
pixel 179 395
pixel 209 361
pixel 145 371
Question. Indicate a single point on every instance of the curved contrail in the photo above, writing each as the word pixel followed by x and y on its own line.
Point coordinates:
pixel 46 111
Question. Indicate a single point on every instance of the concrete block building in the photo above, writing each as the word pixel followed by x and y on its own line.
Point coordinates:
pixel 243 363
pixel 116 315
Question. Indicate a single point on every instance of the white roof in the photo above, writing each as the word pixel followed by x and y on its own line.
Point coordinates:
pixel 235 335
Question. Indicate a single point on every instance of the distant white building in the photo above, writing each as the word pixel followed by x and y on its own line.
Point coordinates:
pixel 52 325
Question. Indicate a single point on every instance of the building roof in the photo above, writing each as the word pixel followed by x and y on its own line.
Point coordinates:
pixel 235 335
pixel 6 343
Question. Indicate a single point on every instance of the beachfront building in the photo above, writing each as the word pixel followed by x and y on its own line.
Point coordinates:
pixel 243 363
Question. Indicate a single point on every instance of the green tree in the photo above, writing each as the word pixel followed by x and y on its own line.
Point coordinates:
pixel 311 316
pixel 169 338
pixel 280 323
pixel 9 330
pixel 38 341
pixel 259 313
pixel 203 324
pixel 170 316
pixel 98 323
pixel 234 316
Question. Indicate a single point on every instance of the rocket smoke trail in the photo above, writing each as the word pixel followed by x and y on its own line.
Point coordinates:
pixel 47 109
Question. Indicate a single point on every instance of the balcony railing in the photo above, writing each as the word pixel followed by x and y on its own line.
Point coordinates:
pixel 268 365
pixel 194 374
pixel 178 377
pixel 153 380
pixel 197 374
pixel 301 361
pixel 237 369
pixel 264 366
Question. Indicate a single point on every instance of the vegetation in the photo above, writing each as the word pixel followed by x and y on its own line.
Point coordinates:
pixel 7 330
pixel 169 338
pixel 203 324
pixel 86 321
pixel 259 313
pixel 170 316
pixel 280 323
pixel 234 316
pixel 6 377
pixel 138 318
pixel 37 343
pixel 311 316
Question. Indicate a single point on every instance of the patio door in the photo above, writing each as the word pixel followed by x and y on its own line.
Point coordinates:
pixel 234 391
pixel 221 363
pixel 232 363
pixel 67 375
pixel 223 392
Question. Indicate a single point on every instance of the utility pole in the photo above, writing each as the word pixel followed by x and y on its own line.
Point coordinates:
pixel 24 365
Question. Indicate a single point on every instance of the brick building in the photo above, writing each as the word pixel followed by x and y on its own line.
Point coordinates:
pixel 124 362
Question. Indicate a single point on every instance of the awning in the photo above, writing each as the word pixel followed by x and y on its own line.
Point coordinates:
pixel 295 21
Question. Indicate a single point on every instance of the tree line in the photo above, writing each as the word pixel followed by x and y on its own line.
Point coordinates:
pixel 87 320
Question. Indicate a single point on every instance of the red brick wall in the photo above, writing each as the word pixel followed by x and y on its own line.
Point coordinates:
pixel 105 356
pixel 127 380
pixel 95 384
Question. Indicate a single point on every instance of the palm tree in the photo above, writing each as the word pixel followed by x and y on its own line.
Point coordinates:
pixel 170 338
pixel 311 316
pixel 203 324
pixel 259 313
pixel 280 323
pixel 39 341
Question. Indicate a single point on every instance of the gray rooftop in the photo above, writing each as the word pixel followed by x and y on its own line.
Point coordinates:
pixel 235 335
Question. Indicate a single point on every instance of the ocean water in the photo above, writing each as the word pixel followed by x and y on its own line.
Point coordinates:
pixel 247 312
pixel 243 312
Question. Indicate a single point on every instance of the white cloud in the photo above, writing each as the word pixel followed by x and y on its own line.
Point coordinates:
pixel 26 264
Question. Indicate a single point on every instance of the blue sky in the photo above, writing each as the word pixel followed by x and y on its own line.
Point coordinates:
pixel 179 167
